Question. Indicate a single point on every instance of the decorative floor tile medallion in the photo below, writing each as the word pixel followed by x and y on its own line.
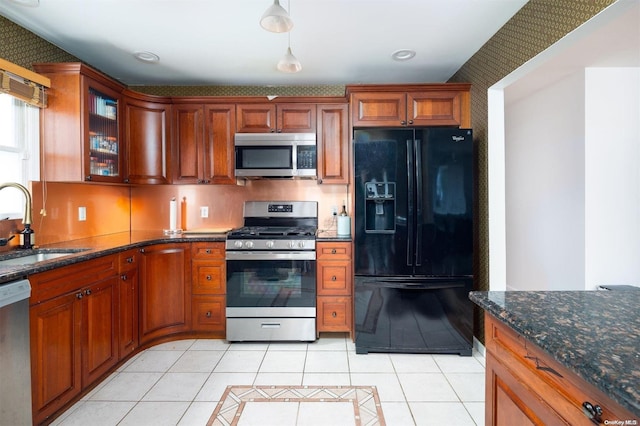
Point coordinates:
pixel 366 403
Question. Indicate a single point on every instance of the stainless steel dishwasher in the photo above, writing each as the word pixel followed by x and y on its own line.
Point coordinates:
pixel 15 371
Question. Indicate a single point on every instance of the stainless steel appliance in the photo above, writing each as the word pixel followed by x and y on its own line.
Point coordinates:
pixel 275 155
pixel 271 273
pixel 413 240
pixel 15 372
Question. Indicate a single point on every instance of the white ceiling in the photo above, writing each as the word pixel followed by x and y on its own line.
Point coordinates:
pixel 214 42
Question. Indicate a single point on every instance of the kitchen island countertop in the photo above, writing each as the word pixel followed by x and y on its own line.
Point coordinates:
pixel 94 247
pixel 595 334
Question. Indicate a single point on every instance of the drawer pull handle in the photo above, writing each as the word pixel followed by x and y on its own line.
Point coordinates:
pixel 334 251
pixel 129 259
pixel 593 412
pixel 208 251
pixel 123 277
pixel 334 278
pixel 541 367
pixel 208 314
pixel 334 314
pixel 141 250
pixel 208 277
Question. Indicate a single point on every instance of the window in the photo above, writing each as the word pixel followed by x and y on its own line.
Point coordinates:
pixel 19 152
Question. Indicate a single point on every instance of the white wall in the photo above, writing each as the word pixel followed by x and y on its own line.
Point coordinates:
pixel 612 205
pixel 545 188
pixel 564 197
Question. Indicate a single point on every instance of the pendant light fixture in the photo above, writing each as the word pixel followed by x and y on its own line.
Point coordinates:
pixel 276 19
pixel 289 63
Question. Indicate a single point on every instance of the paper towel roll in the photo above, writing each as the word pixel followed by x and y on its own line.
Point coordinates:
pixel 344 226
pixel 173 215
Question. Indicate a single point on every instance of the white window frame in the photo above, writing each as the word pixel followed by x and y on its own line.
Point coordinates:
pixel 26 124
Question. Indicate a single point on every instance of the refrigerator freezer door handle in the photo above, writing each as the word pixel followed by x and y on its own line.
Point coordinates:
pixel 410 214
pixel 419 201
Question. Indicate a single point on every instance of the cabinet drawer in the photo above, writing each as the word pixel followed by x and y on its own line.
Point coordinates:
pixel 558 387
pixel 333 251
pixel 208 313
pixel 208 250
pixel 56 282
pixel 334 313
pixel 128 260
pixel 333 278
pixel 208 277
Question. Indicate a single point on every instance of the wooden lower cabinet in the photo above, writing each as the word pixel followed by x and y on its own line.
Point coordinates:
pixel 209 276
pixel 73 331
pixel 128 299
pixel 525 386
pixel 334 281
pixel 165 290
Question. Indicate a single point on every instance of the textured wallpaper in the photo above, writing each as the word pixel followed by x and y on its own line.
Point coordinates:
pixel 538 25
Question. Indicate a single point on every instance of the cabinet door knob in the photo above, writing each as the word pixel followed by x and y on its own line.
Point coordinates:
pixel 79 295
pixel 87 292
pixel 334 278
pixel 130 259
pixel 208 277
pixel 404 123
pixel 208 314
pixel 410 121
pixel 593 412
pixel 334 314
pixel 87 178
pixel 141 250
pixel 123 277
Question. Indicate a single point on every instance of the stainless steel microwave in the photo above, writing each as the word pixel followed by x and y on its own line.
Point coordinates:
pixel 275 155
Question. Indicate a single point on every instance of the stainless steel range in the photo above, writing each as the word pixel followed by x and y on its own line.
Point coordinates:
pixel 271 273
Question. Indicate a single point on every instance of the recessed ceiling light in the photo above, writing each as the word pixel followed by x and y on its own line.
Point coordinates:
pixel 146 57
pixel 403 54
pixel 28 3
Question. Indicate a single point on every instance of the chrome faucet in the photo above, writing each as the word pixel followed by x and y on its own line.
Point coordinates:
pixel 27 237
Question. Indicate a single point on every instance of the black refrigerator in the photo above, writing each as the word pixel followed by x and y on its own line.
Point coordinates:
pixel 414 191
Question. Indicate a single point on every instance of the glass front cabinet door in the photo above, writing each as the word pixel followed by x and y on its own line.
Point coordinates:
pixel 103 136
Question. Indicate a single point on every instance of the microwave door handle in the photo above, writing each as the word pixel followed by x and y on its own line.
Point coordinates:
pixel 294 156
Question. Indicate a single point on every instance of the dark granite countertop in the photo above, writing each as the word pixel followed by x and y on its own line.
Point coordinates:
pixel 595 334
pixel 99 246
pixel 332 236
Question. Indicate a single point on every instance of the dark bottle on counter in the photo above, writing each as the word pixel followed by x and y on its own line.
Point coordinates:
pixel 27 237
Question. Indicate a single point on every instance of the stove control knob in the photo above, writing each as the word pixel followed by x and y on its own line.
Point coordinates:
pixel 301 244
pixel 270 244
pixel 237 244
pixel 292 244
pixel 248 244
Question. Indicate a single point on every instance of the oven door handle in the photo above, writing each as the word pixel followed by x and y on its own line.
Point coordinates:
pixel 271 255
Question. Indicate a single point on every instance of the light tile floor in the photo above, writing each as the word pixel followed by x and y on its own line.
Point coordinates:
pixel 180 383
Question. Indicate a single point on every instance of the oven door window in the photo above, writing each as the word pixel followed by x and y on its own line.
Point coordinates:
pixel 271 283
pixel 259 157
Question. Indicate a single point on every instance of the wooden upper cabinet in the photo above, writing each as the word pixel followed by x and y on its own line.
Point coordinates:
pixel 271 118
pixel 147 130
pixel 81 126
pixel 203 149
pixel 188 134
pixel 333 144
pixel 378 109
pixel 442 108
pixel 220 121
pixel 446 104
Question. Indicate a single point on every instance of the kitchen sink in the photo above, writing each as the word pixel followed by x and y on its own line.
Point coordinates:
pixel 29 257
